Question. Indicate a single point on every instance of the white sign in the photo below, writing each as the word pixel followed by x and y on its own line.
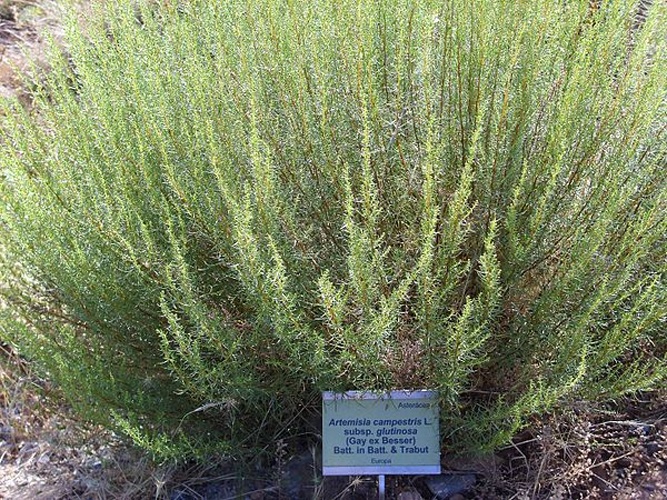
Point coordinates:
pixel 391 433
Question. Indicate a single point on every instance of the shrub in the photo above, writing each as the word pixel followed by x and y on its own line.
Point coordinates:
pixel 215 210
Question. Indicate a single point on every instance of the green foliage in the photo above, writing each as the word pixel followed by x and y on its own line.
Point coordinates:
pixel 215 210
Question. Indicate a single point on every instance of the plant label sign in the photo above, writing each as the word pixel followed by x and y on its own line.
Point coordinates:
pixel 391 433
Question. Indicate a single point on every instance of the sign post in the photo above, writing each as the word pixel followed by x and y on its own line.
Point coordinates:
pixel 392 433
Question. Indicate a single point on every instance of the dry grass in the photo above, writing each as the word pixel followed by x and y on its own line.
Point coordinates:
pixel 590 452
pixel 46 453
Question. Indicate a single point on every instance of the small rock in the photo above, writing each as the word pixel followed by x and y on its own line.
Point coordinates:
pixel 410 495
pixel 445 486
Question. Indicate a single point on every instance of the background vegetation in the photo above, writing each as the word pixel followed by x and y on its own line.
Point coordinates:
pixel 213 212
